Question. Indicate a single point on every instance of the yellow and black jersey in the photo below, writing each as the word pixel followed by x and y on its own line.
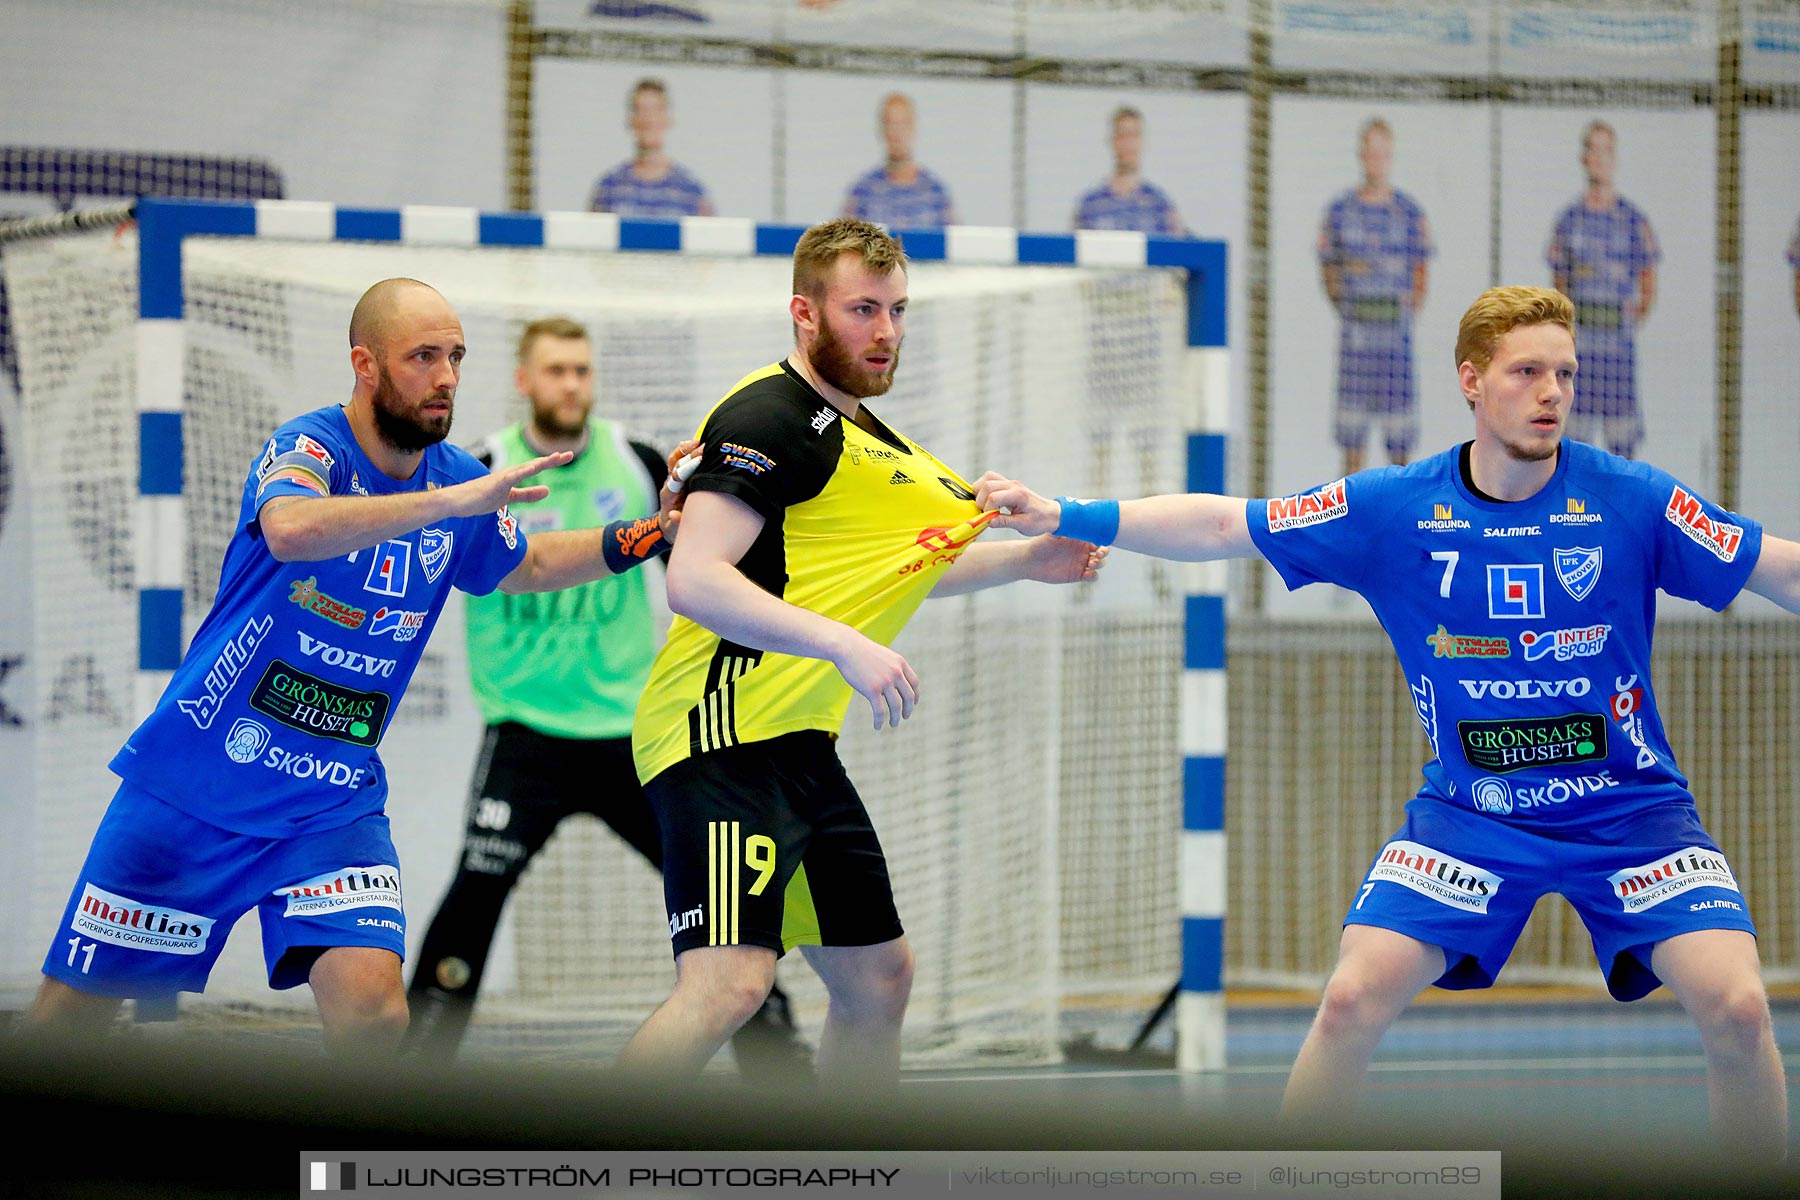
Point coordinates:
pixel 858 524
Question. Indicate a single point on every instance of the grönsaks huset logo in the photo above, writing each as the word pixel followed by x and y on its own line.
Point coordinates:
pixel 320 707
pixel 1526 742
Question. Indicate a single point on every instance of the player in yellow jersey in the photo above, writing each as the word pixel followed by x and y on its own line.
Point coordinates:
pixel 812 531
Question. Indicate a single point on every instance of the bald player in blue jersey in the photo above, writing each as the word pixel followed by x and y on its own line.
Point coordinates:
pixel 1516 575
pixel 650 183
pixel 255 782
pixel 1603 255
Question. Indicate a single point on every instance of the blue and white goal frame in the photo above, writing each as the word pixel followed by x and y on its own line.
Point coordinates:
pixel 160 544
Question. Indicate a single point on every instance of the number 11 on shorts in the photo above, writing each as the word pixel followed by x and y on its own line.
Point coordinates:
pixel 727 853
pixel 87 956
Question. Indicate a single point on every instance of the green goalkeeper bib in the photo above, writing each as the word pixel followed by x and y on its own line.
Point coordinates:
pixel 569 663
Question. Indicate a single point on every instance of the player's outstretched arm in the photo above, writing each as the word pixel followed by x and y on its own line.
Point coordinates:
pixel 569 557
pixel 706 587
pixel 1042 560
pixel 1190 527
pixel 308 529
pixel 1777 573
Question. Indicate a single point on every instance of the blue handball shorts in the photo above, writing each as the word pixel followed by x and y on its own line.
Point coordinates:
pixel 160 891
pixel 1467 883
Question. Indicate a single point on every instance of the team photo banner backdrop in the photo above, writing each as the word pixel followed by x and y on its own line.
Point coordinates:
pixel 1769 487
pixel 719 130
pixel 1369 354
pixel 1664 173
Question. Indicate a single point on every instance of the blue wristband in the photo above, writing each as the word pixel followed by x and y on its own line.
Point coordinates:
pixel 627 544
pixel 1095 521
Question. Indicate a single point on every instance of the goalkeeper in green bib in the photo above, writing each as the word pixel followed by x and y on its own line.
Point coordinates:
pixel 557 678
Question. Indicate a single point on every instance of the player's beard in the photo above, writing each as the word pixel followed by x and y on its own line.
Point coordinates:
pixel 547 420
pixel 406 427
pixel 844 371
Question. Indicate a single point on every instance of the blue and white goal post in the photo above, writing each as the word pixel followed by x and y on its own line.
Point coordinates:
pixel 162 358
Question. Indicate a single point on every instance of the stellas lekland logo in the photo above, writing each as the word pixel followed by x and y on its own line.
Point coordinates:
pixel 1445 644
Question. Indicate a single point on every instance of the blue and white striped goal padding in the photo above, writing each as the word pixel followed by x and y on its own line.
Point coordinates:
pixel 164 225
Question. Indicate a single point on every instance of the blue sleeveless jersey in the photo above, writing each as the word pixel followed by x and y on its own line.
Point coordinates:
pixel 1524 628
pixel 270 725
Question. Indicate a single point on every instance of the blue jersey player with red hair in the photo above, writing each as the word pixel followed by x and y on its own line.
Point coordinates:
pixel 1516 575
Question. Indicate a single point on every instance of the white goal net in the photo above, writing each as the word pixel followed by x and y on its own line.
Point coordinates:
pixel 1030 809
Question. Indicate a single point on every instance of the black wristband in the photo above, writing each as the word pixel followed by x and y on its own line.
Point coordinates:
pixel 628 544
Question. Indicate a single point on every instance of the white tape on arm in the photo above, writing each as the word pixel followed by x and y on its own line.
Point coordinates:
pixel 683 470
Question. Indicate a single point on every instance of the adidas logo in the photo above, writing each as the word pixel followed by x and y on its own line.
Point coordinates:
pixel 900 477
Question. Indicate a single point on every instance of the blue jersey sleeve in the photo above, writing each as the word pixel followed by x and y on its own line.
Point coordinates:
pixel 1703 552
pixel 305 458
pixel 1321 535
pixel 497 545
